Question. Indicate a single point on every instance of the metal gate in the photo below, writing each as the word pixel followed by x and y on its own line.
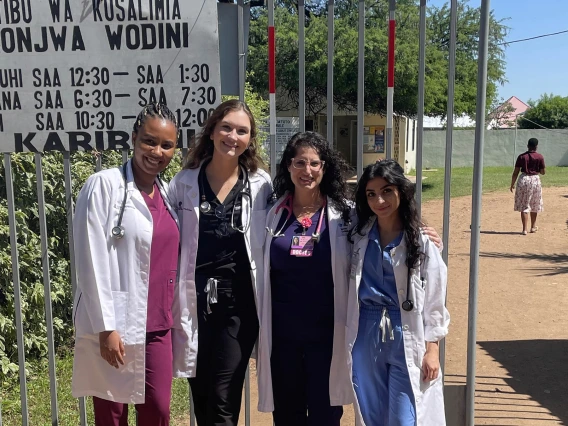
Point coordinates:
pixel 240 56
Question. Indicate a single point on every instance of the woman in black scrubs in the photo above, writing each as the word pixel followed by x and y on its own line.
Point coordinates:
pixel 221 197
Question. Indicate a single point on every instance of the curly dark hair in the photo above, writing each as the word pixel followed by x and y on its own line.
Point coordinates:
pixel 203 147
pixel 333 183
pixel 393 173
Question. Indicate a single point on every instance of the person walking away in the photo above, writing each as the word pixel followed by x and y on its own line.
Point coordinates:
pixel 528 192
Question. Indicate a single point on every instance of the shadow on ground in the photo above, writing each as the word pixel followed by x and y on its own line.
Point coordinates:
pixel 558 261
pixel 538 368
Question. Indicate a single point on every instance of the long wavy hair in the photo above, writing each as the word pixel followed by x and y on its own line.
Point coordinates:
pixel 332 185
pixel 393 173
pixel 203 147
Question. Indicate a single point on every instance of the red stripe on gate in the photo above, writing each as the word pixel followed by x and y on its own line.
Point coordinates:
pixel 392 33
pixel 271 60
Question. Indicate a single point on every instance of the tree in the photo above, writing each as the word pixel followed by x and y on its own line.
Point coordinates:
pixel 376 39
pixel 550 112
pixel 501 115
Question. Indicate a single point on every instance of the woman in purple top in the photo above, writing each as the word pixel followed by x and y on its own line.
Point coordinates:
pixel 127 243
pixel 301 371
pixel 528 194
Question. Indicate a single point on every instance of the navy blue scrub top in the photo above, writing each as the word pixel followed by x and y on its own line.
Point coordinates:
pixel 378 285
pixel 302 287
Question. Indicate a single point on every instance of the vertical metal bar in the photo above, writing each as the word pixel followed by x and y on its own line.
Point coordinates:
pixel 17 288
pixel 302 64
pixel 99 162
pixel 449 148
pixel 241 44
pixel 272 86
pixel 124 156
pixel 515 143
pixel 420 110
pixel 390 79
pixel 191 409
pixel 70 213
pixel 476 209
pixel 330 43
pixel 46 288
pixel 247 396
pixel 361 88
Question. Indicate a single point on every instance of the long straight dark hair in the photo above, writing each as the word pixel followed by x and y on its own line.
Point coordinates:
pixel 393 173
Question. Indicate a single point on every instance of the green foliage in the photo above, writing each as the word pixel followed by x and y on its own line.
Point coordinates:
pixel 550 112
pixel 376 40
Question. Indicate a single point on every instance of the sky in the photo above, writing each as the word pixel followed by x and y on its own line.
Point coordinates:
pixel 536 66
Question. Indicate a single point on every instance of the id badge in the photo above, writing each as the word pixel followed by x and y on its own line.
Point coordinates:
pixel 302 246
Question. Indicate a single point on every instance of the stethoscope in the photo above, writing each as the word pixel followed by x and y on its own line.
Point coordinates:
pixel 287 205
pixel 205 206
pixel 118 230
pixel 408 304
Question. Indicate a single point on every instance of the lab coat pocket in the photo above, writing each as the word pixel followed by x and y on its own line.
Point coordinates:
pixel 419 293
pixel 120 302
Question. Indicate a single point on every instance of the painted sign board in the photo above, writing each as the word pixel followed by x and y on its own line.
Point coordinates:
pixel 74 74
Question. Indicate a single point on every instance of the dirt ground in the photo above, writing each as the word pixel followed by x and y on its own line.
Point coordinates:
pixel 522 326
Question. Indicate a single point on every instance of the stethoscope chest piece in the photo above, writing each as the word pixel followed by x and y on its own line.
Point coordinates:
pixel 205 207
pixel 407 305
pixel 118 232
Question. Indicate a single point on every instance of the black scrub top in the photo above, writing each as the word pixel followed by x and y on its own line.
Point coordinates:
pixel 221 251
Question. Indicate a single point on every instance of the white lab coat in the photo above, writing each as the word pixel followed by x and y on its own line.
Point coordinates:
pixel 112 285
pixel 340 388
pixel 427 322
pixel 184 195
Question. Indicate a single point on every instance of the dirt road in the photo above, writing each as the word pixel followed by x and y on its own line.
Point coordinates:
pixel 522 328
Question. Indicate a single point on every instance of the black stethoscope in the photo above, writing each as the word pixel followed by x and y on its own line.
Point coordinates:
pixel 245 191
pixel 408 304
pixel 118 230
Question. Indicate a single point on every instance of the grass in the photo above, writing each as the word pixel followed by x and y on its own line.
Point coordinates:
pixel 39 406
pixel 494 179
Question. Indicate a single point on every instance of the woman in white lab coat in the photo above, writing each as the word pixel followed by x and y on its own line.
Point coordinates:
pixel 126 247
pixel 301 365
pixel 396 314
pixel 221 198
